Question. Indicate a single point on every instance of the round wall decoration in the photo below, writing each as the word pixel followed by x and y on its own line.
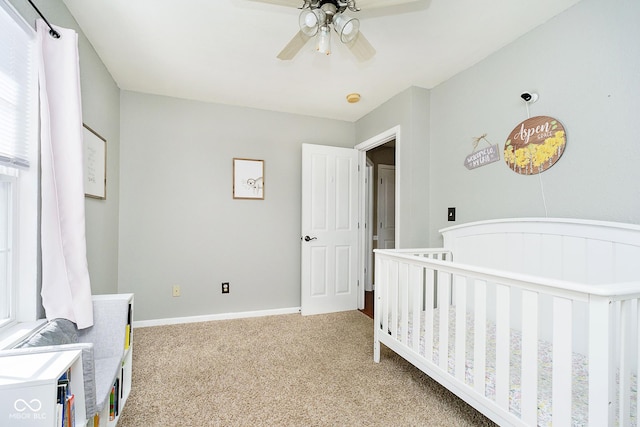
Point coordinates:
pixel 535 145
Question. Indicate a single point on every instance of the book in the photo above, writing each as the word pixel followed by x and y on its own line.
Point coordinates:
pixel 59 414
pixel 71 411
pixel 122 381
pixel 127 337
pixel 61 402
pixel 116 399
pixel 112 408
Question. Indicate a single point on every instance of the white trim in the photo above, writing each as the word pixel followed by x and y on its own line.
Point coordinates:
pixel 8 7
pixel 211 317
pixel 18 332
pixel 363 147
pixel 368 244
pixel 376 141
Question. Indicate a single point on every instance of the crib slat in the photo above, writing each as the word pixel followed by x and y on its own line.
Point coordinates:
pixel 444 298
pixel 379 305
pixel 393 297
pixel 600 331
pixel 461 328
pixel 626 354
pixel 382 289
pixel 503 345
pixel 429 291
pixel 403 290
pixel 480 336
pixel 562 361
pixel 637 366
pixel 529 403
pixel 415 281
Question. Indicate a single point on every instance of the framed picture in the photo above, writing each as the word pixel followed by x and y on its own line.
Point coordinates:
pixel 95 164
pixel 248 179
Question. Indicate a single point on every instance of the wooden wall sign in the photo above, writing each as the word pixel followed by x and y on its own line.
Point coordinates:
pixel 482 157
pixel 535 145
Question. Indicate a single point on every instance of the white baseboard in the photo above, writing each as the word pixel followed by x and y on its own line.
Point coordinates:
pixel 210 317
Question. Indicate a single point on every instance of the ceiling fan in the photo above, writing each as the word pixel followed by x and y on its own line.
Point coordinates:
pixel 319 16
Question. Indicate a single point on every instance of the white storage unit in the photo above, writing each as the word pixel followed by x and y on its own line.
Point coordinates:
pixel 29 387
pixel 112 410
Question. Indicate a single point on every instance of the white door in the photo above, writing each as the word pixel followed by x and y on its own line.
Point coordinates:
pixel 386 207
pixel 329 241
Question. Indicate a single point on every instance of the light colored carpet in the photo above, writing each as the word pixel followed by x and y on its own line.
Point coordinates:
pixel 285 370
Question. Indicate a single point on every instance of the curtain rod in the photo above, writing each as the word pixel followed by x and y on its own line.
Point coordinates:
pixel 52 32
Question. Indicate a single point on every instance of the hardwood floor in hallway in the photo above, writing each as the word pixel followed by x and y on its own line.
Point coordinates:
pixel 368 304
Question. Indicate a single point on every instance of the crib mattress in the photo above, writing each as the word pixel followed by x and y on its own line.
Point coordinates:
pixel 580 371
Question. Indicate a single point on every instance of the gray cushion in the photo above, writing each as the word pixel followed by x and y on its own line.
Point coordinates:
pixel 107 370
pixel 55 332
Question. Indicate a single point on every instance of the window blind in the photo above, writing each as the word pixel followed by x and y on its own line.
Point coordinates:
pixel 17 95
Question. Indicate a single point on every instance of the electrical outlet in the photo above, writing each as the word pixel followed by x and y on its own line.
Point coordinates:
pixel 225 287
pixel 176 290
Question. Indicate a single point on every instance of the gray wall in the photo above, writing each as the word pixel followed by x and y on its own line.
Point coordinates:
pixel 585 64
pixel 179 224
pixel 101 111
pixel 410 110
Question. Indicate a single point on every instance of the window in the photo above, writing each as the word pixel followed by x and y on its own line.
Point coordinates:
pixel 7 203
pixel 18 169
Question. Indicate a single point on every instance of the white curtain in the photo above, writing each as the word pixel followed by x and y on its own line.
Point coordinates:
pixel 66 289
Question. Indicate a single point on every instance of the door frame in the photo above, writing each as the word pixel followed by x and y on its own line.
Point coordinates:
pixel 368 244
pixel 363 147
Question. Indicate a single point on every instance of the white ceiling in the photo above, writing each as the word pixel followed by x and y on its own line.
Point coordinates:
pixel 224 51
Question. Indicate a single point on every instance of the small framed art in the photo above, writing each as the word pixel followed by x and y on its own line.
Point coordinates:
pixel 248 179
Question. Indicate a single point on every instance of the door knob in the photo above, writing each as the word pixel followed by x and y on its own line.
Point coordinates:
pixel 308 239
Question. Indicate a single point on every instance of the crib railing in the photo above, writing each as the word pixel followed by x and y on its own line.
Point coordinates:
pixel 419 289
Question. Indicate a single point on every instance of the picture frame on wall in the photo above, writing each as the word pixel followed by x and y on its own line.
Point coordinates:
pixel 95 164
pixel 248 179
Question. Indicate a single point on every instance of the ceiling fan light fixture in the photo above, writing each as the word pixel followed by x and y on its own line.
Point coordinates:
pixel 346 27
pixel 324 40
pixel 311 20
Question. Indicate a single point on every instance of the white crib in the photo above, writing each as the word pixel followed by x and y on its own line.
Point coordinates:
pixel 530 321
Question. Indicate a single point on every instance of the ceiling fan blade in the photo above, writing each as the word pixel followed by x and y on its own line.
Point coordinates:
pixel 362 4
pixel 371 4
pixel 293 47
pixel 292 3
pixel 361 48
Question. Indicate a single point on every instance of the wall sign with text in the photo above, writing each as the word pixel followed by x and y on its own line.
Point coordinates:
pixel 482 157
pixel 535 145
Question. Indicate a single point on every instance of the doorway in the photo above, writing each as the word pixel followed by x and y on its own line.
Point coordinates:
pixel 379 206
pixel 319 290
